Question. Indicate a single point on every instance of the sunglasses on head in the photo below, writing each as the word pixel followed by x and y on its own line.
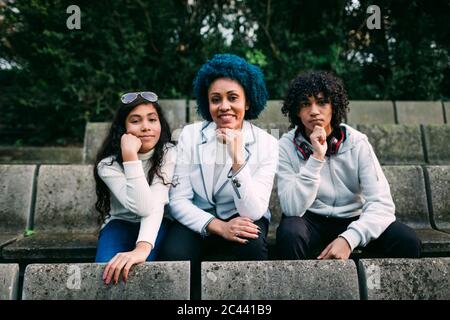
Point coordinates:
pixel 131 96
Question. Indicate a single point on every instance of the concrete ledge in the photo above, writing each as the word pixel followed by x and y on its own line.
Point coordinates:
pixel 419 112
pixel 149 281
pixel 395 144
pixel 371 112
pixel 65 199
pixel 261 280
pixel 272 119
pixel 434 242
pixel 94 135
pixel 9 281
pixel 175 112
pixel 16 192
pixel 440 195
pixel 437 144
pixel 193 115
pixel 65 220
pixel 48 246
pixel 407 279
pixel 272 113
pixel 47 155
pixel 407 185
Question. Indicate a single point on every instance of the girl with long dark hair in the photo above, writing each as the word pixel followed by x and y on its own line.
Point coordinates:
pixel 133 173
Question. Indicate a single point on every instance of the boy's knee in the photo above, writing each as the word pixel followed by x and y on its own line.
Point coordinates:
pixel 412 245
pixel 291 230
pixel 402 241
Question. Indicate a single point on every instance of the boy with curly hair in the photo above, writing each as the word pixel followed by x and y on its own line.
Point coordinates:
pixel 332 190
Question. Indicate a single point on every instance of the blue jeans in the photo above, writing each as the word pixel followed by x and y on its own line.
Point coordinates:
pixel 120 236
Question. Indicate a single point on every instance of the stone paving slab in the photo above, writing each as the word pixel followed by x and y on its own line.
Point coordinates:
pixel 65 199
pixel 395 144
pixel 434 242
pixel 9 281
pixel 7 238
pixel 277 280
pixel 94 134
pixel 407 279
pixel 371 112
pixel 53 246
pixel 419 112
pixel 272 119
pixel 407 185
pixel 175 112
pixel 47 155
pixel 437 143
pixel 149 281
pixel 16 187
pixel 65 220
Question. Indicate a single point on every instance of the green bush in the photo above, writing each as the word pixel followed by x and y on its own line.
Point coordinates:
pixel 53 79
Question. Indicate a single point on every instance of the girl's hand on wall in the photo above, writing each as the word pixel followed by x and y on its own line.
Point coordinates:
pixel 123 261
pixel 338 249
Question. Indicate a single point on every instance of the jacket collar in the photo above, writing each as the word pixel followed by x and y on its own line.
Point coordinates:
pixel 207 156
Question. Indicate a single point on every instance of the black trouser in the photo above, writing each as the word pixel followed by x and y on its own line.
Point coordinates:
pixel 305 237
pixel 181 243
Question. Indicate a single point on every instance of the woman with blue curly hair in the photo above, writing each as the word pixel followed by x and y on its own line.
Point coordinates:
pixel 225 168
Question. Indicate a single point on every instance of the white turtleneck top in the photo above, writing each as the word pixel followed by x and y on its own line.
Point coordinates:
pixel 132 198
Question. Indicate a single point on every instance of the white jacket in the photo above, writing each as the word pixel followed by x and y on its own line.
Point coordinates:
pixel 247 192
pixel 132 198
pixel 348 184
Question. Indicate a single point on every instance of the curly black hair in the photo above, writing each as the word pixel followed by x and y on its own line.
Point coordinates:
pixel 233 67
pixel 310 84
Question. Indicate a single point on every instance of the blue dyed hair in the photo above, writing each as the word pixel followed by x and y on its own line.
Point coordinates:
pixel 236 68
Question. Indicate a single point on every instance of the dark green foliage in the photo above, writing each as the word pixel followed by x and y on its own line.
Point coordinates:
pixel 57 79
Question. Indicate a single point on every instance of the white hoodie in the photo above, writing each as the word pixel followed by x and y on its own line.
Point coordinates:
pixel 348 184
